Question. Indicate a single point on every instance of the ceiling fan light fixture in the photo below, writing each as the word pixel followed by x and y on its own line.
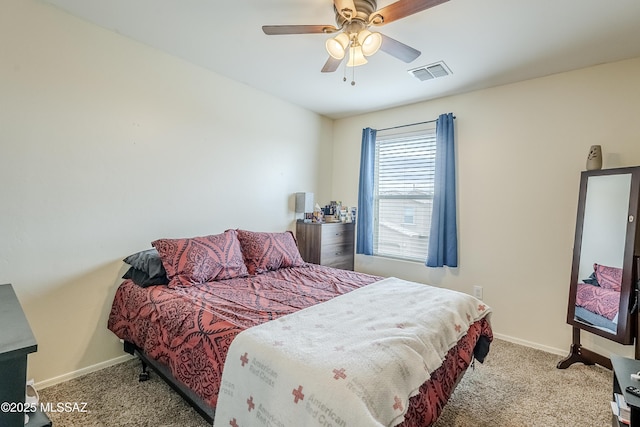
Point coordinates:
pixel 369 41
pixel 354 18
pixel 336 46
pixel 356 57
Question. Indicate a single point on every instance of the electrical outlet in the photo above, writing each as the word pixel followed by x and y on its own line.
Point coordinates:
pixel 477 292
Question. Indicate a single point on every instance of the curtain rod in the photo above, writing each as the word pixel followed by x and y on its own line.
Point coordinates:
pixel 410 124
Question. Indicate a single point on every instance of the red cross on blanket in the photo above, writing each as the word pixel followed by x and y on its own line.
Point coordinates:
pixel 339 374
pixel 398 404
pixel 297 394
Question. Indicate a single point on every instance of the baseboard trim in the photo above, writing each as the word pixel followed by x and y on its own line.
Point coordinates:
pixel 80 372
pixel 530 344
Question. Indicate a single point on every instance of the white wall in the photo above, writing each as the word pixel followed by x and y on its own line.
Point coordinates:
pixel 106 145
pixel 520 148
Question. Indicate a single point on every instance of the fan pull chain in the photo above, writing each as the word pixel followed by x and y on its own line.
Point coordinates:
pixel 344 75
pixel 353 71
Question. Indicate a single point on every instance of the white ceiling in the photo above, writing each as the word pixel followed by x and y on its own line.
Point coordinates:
pixel 484 42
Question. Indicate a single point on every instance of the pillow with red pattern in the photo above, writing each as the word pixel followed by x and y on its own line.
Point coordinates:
pixel 608 277
pixel 269 251
pixel 201 259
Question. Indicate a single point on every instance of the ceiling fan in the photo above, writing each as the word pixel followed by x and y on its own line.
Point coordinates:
pixel 353 19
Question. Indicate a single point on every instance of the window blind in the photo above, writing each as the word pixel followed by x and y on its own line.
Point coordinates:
pixel 403 194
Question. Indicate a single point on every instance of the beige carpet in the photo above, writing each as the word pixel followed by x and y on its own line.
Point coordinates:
pixel 518 386
pixel 515 387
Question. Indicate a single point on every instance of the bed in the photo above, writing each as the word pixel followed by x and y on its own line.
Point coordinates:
pixel 184 322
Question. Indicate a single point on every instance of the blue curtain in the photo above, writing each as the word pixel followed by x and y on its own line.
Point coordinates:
pixel 443 239
pixel 364 224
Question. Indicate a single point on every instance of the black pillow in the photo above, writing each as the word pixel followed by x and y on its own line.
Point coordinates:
pixel 591 280
pixel 148 262
pixel 142 279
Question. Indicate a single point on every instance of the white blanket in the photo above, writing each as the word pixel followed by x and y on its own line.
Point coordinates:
pixel 354 360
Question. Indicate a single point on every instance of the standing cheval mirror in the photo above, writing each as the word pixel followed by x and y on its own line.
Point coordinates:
pixel 604 273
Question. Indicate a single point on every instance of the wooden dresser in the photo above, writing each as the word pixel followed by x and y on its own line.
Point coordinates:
pixel 330 244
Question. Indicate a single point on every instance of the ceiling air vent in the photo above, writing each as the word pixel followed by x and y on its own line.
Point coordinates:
pixel 431 71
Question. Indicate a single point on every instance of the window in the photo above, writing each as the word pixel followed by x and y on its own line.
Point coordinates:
pixel 409 215
pixel 403 192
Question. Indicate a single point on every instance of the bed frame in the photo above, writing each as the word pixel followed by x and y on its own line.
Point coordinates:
pixel 206 411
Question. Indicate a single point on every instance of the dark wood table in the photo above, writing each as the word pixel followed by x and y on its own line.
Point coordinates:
pixel 16 342
pixel 623 367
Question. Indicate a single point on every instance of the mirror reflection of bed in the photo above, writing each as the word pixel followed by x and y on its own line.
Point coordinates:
pixel 598 298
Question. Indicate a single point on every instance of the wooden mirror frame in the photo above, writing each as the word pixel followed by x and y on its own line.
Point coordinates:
pixel 626 332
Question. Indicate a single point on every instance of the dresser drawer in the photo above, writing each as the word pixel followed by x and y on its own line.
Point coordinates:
pixel 343 262
pixel 330 254
pixel 337 234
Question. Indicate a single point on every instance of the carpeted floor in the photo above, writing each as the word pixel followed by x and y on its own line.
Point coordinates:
pixel 519 386
pixel 515 387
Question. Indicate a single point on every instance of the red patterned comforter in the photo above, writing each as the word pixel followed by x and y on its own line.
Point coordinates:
pixel 598 300
pixel 190 329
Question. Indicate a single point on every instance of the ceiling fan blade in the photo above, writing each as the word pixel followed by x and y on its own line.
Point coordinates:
pixel 331 65
pixel 346 8
pixel 403 8
pixel 399 50
pixel 275 30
